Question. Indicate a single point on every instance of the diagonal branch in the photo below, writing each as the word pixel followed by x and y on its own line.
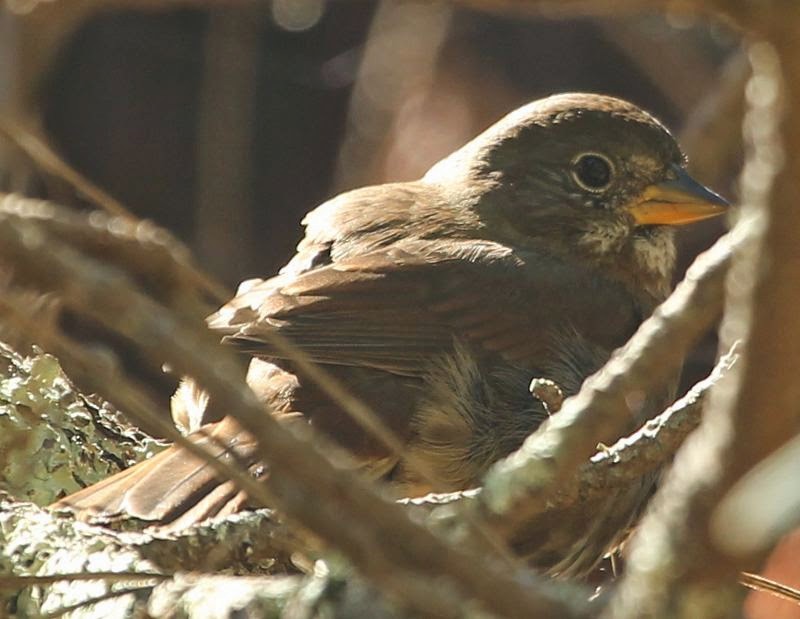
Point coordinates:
pixel 651 446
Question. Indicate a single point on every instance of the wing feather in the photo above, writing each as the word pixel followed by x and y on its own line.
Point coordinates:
pixel 396 310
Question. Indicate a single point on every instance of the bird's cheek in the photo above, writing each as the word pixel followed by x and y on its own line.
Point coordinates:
pixel 522 214
pixel 606 235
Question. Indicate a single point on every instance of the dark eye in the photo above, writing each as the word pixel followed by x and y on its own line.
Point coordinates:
pixel 592 171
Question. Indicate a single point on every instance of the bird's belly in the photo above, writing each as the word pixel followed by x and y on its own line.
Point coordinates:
pixel 466 409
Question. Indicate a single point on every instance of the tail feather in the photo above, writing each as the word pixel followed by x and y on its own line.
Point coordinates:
pixel 173 488
pixel 222 500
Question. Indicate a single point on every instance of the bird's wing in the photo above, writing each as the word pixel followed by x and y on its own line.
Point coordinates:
pixel 396 309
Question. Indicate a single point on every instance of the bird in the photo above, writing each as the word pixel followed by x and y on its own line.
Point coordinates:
pixel 529 254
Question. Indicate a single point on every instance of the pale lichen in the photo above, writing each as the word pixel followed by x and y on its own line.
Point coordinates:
pixel 53 439
pixel 34 542
pixel 37 543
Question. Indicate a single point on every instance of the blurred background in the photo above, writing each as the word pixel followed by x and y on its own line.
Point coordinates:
pixel 226 121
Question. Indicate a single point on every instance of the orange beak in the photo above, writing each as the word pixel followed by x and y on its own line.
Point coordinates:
pixel 676 202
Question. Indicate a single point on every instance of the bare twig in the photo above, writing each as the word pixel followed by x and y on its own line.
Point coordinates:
pixel 652 445
pixel 149 254
pixel 10 581
pixel 53 164
pixel 759 583
pixel 126 396
pixel 49 161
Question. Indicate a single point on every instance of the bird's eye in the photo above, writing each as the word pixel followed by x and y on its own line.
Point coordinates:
pixel 592 171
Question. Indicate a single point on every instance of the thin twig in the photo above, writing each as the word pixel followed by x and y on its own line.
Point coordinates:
pixel 53 164
pixel 651 446
pixel 760 583
pixel 110 595
pixel 47 159
pixel 125 396
pixel 11 581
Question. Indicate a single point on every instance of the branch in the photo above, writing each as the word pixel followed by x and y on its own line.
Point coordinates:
pixel 651 446
pixel 759 583
pixel 52 164
pixel 50 565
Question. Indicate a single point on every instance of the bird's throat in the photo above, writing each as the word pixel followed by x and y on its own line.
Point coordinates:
pixel 642 259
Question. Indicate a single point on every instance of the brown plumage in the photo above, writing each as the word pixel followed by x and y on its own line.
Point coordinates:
pixel 533 251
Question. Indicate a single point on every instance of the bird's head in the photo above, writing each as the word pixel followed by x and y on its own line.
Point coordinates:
pixel 585 175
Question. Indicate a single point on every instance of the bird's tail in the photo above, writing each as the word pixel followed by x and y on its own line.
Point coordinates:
pixel 174 488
